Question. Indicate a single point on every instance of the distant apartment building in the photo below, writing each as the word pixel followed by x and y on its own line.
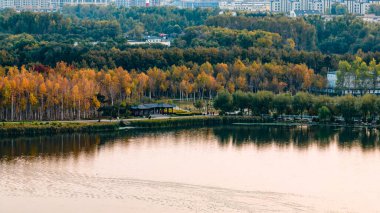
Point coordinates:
pixel 76 2
pixel 285 6
pixel 277 6
pixel 357 6
pixel 7 4
pixel 55 5
pixel 140 3
pixel 245 5
pixel 34 5
pixel 58 4
pixel 122 3
pixel 47 5
pixel 323 6
pixel 192 4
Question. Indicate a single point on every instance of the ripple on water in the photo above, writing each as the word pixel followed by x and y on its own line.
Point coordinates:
pixel 184 197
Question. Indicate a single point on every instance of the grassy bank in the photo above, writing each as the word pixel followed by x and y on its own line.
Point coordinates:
pixel 34 128
pixel 200 121
pixel 37 128
pixel 195 121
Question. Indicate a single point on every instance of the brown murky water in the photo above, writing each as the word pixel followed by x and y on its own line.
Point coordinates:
pixel 223 169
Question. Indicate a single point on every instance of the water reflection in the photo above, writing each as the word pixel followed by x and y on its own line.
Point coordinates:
pixel 367 139
pixel 300 137
pixel 56 145
pixel 237 136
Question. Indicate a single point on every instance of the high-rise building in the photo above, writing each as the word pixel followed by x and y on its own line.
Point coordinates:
pixel 245 5
pixel 357 6
pixel 139 3
pixel 33 5
pixel 123 3
pixel 76 2
pixel 275 6
pixel 284 5
pixel 323 6
pixel 7 4
pixel 196 4
pixel 326 6
pixel 47 5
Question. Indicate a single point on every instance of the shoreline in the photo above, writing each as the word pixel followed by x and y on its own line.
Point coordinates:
pixel 306 124
pixel 54 127
pixel 89 126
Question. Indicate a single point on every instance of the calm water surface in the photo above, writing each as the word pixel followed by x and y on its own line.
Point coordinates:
pixel 223 169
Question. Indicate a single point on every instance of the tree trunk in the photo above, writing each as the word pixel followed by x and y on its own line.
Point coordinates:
pixel 12 108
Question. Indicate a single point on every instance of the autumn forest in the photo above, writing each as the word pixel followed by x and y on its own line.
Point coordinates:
pixel 64 92
pixel 78 64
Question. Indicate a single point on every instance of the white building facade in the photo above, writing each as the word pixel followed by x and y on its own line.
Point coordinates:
pixel 285 6
pixel 357 6
pixel 7 4
pixel 323 6
pixel 245 5
pixel 47 5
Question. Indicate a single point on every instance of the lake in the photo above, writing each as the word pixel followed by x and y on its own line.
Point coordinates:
pixel 220 169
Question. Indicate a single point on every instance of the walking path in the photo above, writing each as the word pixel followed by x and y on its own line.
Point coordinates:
pixel 135 119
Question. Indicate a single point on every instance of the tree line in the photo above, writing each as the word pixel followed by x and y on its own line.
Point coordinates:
pixel 141 20
pixel 340 35
pixel 65 92
pixel 12 22
pixel 25 49
pixel 100 22
pixel 363 108
pixel 358 75
pixel 224 37
pixel 97 37
pixel 300 31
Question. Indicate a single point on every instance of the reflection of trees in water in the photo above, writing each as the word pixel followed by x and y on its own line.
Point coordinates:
pixel 369 139
pixel 300 137
pixel 304 137
pixel 174 135
pixel 260 136
pixel 56 145
pixel 365 138
pixel 323 135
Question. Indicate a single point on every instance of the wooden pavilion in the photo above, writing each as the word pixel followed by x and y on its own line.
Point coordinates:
pixel 149 109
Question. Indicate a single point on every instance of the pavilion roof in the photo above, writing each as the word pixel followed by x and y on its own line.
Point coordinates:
pixel 152 106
